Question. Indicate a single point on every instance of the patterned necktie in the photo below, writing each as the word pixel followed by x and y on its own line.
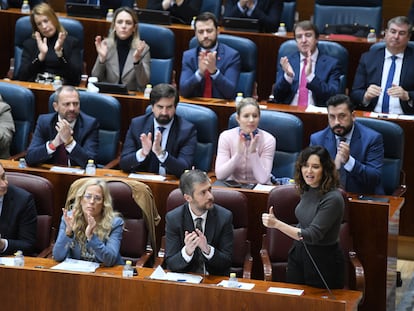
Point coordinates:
pixel 303 91
pixel 390 78
pixel 198 222
pixel 197 254
pixel 207 83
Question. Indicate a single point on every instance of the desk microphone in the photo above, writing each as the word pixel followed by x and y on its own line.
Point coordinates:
pixel 332 296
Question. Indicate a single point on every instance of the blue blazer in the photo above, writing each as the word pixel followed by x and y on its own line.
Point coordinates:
pixel 181 146
pixel 106 252
pixel 224 86
pixel 219 234
pixel 18 221
pixel 324 85
pixel 85 134
pixel 369 71
pixel 368 150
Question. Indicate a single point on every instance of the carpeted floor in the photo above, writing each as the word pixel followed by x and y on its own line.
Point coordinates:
pixel 405 293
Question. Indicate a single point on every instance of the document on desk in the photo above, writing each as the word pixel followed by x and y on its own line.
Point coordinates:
pixel 287 291
pixel 265 188
pixel 147 177
pixel 70 170
pixel 240 285
pixel 160 274
pixel 7 261
pixel 76 265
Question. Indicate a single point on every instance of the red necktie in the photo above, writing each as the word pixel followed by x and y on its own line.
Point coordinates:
pixel 303 91
pixel 61 157
pixel 207 85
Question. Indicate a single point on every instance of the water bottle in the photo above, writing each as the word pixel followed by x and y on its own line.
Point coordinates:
pixel 193 22
pixel 90 168
pixel 110 15
pixel 232 282
pixel 57 83
pixel 372 37
pixel 18 259
pixel 239 97
pixel 128 271
pixel 147 91
pixel 25 7
pixel 281 31
pixel 22 163
pixel 91 87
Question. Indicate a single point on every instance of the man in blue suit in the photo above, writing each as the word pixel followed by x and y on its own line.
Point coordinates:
pixel 65 137
pixel 212 69
pixel 199 233
pixel 18 218
pixel 322 71
pixel 357 150
pixel 160 142
pixel 370 82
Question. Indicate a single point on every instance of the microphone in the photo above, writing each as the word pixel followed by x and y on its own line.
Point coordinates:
pixel 332 296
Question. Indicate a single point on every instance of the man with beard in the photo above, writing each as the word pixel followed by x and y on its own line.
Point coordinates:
pixel 212 69
pixel 160 142
pixel 384 80
pixel 66 137
pixel 199 233
pixel 306 77
pixel 357 150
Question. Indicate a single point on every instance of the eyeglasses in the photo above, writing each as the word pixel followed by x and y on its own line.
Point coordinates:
pixel 96 198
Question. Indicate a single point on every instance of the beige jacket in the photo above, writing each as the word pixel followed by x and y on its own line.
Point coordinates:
pixel 6 129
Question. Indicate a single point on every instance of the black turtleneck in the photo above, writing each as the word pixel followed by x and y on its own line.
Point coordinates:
pixel 123 47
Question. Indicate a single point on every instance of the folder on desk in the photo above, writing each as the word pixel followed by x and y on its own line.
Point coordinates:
pixel 113 88
pixel 154 16
pixel 241 24
pixel 85 10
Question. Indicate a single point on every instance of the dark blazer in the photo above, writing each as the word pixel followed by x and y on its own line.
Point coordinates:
pixel 69 67
pixel 181 145
pixel 18 221
pixel 268 12
pixel 368 150
pixel 182 14
pixel 324 84
pixel 85 134
pixel 224 86
pixel 219 234
pixel 369 71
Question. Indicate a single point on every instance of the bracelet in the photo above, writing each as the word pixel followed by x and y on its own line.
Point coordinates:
pixel 70 141
pixel 51 146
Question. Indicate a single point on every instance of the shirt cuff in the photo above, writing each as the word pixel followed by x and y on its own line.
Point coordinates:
pixel 211 254
pixel 288 79
pixel 186 257
pixel 6 244
pixel 349 166
pixel 163 156
pixel 70 146
pixel 139 156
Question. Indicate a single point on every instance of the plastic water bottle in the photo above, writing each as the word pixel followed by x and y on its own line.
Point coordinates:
pixel 91 87
pixel 281 31
pixel 193 22
pixel 22 163
pixel 372 37
pixel 128 271
pixel 147 91
pixel 110 15
pixel 232 282
pixel 90 168
pixel 239 97
pixel 18 259
pixel 25 7
pixel 57 83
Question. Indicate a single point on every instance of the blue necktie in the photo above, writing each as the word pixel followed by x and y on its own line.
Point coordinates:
pixel 386 97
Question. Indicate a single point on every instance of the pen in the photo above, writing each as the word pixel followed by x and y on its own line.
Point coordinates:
pixel 181 280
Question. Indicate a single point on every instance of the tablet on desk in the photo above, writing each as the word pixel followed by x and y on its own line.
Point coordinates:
pixel 85 10
pixel 241 24
pixel 154 16
pixel 114 88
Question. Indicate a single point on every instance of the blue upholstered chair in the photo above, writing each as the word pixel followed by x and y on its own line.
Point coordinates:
pixel 380 45
pixel 205 121
pixel 331 48
pixel 161 41
pixel 362 12
pixel 288 131
pixel 107 110
pixel 23 31
pixel 213 6
pixel 248 55
pixel 288 14
pixel 393 179
pixel 22 103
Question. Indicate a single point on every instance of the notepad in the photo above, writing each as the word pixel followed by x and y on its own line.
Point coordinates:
pixel 76 265
pixel 160 274
pixel 287 291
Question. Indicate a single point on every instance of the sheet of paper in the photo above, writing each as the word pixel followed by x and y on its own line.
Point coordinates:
pixel 76 265
pixel 160 274
pixel 312 108
pixel 287 291
pixel 266 188
pixel 7 261
pixel 147 177
pixel 71 170
pixel 241 285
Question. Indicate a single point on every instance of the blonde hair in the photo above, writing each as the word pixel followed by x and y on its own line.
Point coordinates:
pixel 112 35
pixel 46 10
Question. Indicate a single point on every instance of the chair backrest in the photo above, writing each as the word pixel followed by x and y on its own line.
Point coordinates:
pixel 330 48
pixel 206 123
pixel 393 138
pixel 234 201
pixel 364 12
pixel 288 131
pixel 161 41
pixel 248 55
pixel 22 103
pixel 23 31
pixel 107 110
pixel 288 14
pixel 213 6
pixel 42 191
pixel 380 45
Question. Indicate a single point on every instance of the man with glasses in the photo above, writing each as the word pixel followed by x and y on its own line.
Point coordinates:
pixel 384 80
pixel 306 77
pixel 66 137
pixel 212 69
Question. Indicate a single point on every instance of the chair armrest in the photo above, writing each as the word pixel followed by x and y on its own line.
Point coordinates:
pixel 402 188
pixel 47 252
pixel 357 274
pixel 19 155
pixel 113 164
pixel 144 258
pixel 159 258
pixel 264 255
pixel 248 262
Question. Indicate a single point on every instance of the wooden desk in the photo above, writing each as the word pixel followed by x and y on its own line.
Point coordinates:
pixel 268 46
pixel 107 290
pixel 374 227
